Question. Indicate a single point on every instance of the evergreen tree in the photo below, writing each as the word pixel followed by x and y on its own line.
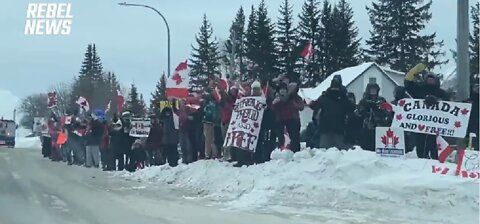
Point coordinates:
pixel 474 40
pixel 345 45
pixel 205 57
pixel 143 106
pixel 158 95
pixel 288 57
pixel 134 104
pixel 267 58
pixel 309 30
pixel 235 47
pixel 112 84
pixel 326 50
pixel 91 82
pixel 252 45
pixel 396 38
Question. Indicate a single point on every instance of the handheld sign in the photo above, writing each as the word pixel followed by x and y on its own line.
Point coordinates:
pixel 245 123
pixel 140 127
pixel 389 142
pixel 444 118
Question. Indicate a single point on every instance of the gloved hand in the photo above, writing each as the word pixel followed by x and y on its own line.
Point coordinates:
pixel 430 100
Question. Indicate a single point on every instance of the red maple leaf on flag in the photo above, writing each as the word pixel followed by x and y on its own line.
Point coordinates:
pixel 464 111
pixel 395 141
pixel 399 117
pixel 401 103
pixel 177 78
pixel 458 124
pixel 389 133
pixel 384 140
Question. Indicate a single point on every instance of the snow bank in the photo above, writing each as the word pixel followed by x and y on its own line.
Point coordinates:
pixel 320 180
pixel 28 143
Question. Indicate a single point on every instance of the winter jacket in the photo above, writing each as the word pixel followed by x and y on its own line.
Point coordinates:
pixel 334 107
pixel 105 138
pixel 371 113
pixel 95 134
pixel 420 90
pixel 226 110
pixel 154 139
pixel 211 112
pixel 170 134
pixel 289 110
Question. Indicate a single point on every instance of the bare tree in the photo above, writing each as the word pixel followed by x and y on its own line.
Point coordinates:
pixel 64 95
pixel 32 106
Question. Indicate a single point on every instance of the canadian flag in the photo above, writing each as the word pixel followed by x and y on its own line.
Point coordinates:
pixel 83 103
pixel 178 84
pixel 444 149
pixel 120 102
pixel 52 99
pixel 307 51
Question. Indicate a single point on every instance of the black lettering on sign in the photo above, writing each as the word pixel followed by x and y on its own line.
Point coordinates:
pixel 407 107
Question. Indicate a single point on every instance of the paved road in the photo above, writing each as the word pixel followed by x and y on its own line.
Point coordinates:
pixel 35 190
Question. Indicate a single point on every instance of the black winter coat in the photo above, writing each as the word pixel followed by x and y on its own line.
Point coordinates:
pixel 94 137
pixel 334 107
pixel 421 90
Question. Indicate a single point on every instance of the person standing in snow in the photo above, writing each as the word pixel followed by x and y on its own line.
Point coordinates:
pixel 104 145
pixel 246 157
pixel 400 93
pixel 429 89
pixel 116 134
pixel 287 106
pixel 211 118
pixel 333 106
pixel 227 102
pixel 126 140
pixel 372 115
pixel 169 137
pixel 138 156
pixel 154 143
pixel 354 124
pixel 93 137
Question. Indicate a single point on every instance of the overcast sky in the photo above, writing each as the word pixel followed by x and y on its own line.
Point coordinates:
pixel 131 41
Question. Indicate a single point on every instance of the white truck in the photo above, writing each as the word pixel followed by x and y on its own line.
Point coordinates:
pixel 7 133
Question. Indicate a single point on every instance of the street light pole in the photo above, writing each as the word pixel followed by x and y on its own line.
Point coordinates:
pixel 463 70
pixel 166 24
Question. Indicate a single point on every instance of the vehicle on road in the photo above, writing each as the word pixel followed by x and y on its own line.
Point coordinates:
pixel 7 133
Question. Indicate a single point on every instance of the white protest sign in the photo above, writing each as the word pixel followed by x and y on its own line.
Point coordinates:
pixel 389 142
pixel 40 125
pixel 444 118
pixel 140 127
pixel 245 123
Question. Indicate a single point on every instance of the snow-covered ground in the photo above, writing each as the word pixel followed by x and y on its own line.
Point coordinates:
pixel 347 186
pixel 22 141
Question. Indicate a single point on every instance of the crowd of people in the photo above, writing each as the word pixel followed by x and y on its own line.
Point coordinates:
pixel 203 119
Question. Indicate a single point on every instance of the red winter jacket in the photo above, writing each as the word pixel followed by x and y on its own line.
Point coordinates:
pixel 226 110
pixel 289 110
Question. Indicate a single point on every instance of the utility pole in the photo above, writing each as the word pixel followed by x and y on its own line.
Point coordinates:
pixel 166 24
pixel 463 35
pixel 463 68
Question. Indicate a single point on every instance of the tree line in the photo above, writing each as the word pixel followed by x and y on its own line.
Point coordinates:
pixel 258 48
